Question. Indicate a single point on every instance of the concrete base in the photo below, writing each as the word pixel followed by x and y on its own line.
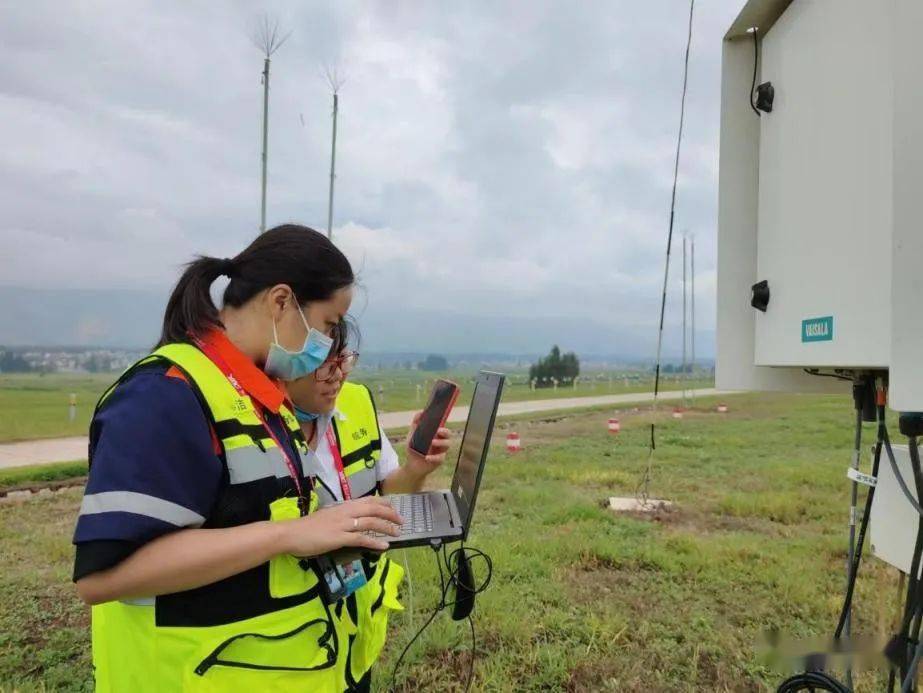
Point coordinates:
pixel 634 505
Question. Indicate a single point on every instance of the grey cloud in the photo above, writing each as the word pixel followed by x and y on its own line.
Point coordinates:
pixel 494 157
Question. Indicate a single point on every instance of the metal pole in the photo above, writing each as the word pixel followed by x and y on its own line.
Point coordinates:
pixel 692 279
pixel 642 492
pixel 265 143
pixel 333 158
pixel 683 376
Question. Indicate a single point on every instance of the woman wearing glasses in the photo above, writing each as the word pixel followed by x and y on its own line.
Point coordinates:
pixel 199 538
pixel 351 457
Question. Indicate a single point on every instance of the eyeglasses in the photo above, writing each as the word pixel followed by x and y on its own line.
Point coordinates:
pixel 345 362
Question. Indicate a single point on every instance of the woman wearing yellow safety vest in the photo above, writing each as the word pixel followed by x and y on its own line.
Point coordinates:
pixel 199 522
pixel 351 457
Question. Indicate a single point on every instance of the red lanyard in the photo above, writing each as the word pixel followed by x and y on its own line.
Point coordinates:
pixel 215 358
pixel 338 462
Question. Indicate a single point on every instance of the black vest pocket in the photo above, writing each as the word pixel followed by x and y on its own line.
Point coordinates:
pixel 276 652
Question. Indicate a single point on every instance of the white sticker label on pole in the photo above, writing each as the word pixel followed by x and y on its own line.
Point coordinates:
pixel 860 478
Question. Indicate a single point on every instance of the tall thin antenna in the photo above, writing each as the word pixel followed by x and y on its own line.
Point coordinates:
pixel 335 82
pixel 268 39
pixel 643 490
pixel 683 376
pixel 692 309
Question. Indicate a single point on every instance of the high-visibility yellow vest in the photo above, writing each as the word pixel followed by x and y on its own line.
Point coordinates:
pixel 263 629
pixel 364 613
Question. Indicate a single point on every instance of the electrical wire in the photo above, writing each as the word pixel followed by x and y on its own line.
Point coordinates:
pixel 642 492
pixel 909 634
pixel 910 621
pixel 854 499
pixel 906 649
pixel 411 616
pixel 863 528
pixel 900 478
pixel 913 611
pixel 838 376
pixel 812 681
pixel 756 55
pixel 451 562
pixel 817 680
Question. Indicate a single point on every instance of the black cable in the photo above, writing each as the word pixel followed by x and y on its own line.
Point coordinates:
pixel 854 500
pixel 451 561
pixel 400 659
pixel 815 371
pixel 863 528
pixel 756 55
pixel 900 478
pixel 812 681
pixel 909 638
pixel 906 646
pixel 679 144
pixel 909 634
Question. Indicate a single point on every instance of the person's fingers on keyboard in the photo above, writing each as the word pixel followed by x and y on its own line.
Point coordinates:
pixel 374 524
pixel 362 540
pixel 372 506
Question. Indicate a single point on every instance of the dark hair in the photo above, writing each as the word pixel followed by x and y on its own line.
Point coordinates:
pixel 346 335
pixel 298 256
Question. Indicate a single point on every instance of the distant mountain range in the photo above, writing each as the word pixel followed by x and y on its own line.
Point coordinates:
pixel 130 319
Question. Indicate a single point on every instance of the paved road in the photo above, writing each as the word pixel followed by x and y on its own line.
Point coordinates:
pixel 65 449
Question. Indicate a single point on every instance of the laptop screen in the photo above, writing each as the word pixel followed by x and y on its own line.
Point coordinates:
pixel 475 443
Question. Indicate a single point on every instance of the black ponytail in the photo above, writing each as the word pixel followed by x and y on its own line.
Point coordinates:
pixel 298 256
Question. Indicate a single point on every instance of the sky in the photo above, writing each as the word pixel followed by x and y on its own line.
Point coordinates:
pixel 503 168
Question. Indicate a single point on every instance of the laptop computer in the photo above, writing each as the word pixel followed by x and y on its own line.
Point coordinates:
pixel 434 517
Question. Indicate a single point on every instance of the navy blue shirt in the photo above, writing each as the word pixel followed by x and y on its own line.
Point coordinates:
pixel 154 468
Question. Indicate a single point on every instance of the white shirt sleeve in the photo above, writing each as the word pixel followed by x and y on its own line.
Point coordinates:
pixel 388 461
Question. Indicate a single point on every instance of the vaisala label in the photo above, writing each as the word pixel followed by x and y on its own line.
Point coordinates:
pixel 817 329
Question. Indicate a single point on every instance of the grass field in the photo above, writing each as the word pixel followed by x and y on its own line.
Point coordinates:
pixel 36 406
pixel 581 599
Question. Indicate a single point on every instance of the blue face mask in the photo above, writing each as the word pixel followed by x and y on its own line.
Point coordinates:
pixel 292 365
pixel 305 416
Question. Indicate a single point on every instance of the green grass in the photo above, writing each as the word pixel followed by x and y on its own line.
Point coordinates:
pixel 581 599
pixel 37 406
pixel 59 471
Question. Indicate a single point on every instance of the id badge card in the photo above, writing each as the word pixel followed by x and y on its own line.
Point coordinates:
pixel 352 575
pixel 339 580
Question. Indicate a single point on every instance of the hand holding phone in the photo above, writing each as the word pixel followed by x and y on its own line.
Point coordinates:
pixel 441 400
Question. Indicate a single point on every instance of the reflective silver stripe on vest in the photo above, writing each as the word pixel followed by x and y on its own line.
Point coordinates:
pixel 323 496
pixel 360 484
pixel 251 464
pixel 140 504
pixel 363 482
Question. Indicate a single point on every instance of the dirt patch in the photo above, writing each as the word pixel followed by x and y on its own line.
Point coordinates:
pixel 597 676
pixel 449 669
pixel 634 668
pixel 36 486
pixel 680 517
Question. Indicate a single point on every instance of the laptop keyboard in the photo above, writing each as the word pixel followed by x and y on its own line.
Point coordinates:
pixel 416 511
